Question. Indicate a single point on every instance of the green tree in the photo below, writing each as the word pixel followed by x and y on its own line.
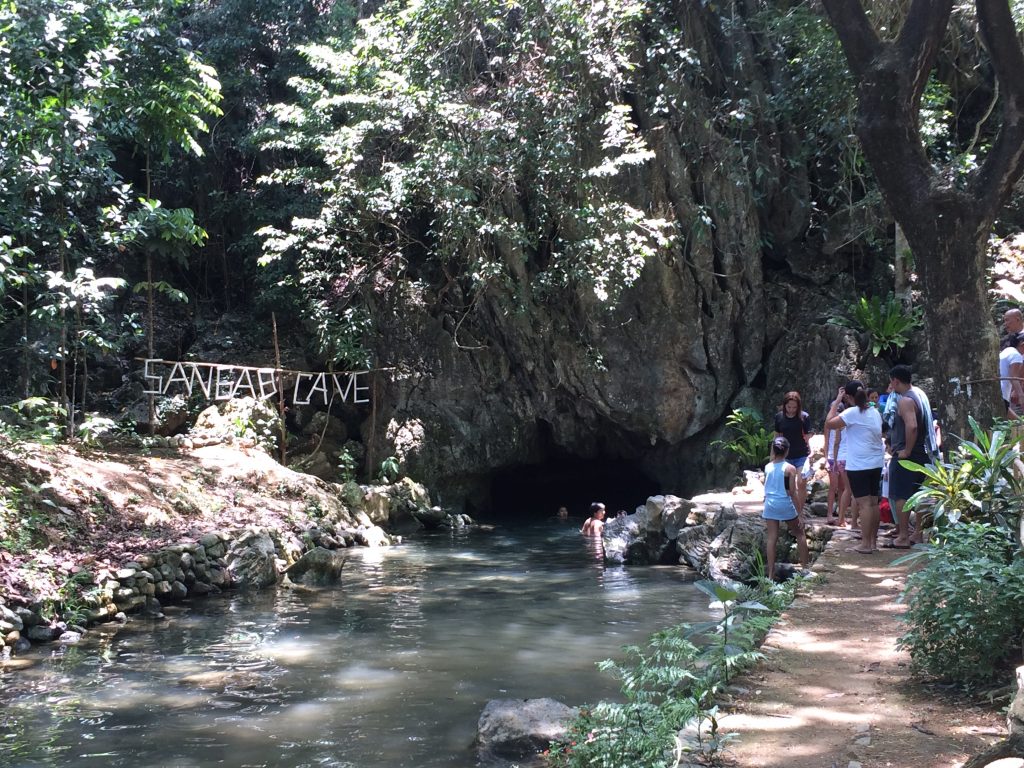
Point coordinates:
pixel 167 92
pixel 77 77
pixel 946 214
pixel 55 172
pixel 466 145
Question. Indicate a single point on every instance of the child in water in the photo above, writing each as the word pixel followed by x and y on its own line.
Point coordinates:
pixel 780 499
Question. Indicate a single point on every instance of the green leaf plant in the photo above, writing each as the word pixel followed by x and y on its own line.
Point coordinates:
pixel 980 483
pixel 669 714
pixel 965 606
pixel 751 440
pixel 887 322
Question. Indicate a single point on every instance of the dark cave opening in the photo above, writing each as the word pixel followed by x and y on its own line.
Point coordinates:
pixel 531 493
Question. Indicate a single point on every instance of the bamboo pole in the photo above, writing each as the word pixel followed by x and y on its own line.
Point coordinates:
pixel 280 393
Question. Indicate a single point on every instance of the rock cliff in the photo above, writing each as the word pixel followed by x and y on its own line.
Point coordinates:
pixel 733 313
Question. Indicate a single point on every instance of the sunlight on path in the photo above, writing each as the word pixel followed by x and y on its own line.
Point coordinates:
pixel 833 690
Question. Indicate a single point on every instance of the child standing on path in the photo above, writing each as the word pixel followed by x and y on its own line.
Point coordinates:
pixel 780 500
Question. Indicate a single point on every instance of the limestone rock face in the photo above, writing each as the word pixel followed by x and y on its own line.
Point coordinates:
pixel 518 376
pixel 521 728
pixel 647 535
pixel 1015 714
pixel 250 561
pixel 731 554
pixel 403 507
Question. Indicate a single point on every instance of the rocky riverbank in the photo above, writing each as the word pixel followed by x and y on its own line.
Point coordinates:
pixel 89 536
pixel 719 535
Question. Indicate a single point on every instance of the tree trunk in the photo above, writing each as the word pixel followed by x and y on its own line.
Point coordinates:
pixel 26 344
pixel 150 345
pixel 959 337
pixel 1011 746
pixel 151 400
pixel 946 226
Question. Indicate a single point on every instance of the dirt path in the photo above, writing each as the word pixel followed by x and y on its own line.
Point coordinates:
pixel 834 692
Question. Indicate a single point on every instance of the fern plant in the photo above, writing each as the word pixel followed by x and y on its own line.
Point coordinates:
pixel 751 439
pixel 886 321
pixel 670 687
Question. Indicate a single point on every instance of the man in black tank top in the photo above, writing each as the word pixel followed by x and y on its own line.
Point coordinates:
pixel 909 438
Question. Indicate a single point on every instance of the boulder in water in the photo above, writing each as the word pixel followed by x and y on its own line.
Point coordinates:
pixel 521 728
pixel 250 561
pixel 317 568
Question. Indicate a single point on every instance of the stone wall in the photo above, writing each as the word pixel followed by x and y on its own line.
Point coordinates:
pixel 242 558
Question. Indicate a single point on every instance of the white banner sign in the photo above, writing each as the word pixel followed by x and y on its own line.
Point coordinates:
pixel 223 382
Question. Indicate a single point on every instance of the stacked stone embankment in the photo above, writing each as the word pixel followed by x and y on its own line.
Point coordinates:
pixel 240 558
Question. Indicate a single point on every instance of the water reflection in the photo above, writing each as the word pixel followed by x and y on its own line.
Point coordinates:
pixel 391 669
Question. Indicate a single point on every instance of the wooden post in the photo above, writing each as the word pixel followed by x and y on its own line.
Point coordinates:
pixel 373 426
pixel 280 393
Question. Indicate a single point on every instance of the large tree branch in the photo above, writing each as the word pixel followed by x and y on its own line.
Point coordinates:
pixel 919 40
pixel 993 183
pixel 858 38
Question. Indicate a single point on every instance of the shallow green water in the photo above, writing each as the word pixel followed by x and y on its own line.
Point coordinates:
pixel 391 669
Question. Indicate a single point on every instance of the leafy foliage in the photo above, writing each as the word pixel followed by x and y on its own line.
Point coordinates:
pixel 886 322
pixel 670 686
pixel 980 483
pixel 751 441
pixel 817 103
pixel 35 418
pixel 80 80
pixel 390 469
pixel 428 132
pixel 966 606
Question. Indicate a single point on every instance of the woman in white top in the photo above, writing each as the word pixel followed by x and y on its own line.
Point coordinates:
pixel 865 454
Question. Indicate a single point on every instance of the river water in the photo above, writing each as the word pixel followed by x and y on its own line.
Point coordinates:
pixel 390 669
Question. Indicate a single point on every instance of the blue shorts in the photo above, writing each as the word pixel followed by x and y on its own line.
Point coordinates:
pixel 802 464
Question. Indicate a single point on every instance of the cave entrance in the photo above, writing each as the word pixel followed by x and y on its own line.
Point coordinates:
pixel 531 493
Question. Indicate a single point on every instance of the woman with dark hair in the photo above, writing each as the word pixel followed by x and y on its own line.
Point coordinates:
pixel 861 427
pixel 780 504
pixel 793 423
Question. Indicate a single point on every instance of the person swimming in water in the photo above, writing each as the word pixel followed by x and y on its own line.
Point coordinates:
pixel 595 523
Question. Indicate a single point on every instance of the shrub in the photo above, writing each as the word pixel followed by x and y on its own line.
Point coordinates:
pixel 979 483
pixel 966 606
pixel 670 686
pixel 751 441
pixel 885 321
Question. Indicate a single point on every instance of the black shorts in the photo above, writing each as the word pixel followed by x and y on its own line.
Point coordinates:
pixel 864 482
pixel 904 483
